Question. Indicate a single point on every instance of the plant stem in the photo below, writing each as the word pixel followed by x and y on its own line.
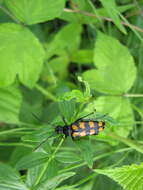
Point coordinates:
pixel 46 93
pixel 16 144
pixel 9 14
pixel 133 95
pixel 48 162
pixel 11 131
pixel 103 18
pixel 140 112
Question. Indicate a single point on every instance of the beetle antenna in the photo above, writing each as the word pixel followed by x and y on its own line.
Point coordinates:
pixel 86 115
pixel 36 117
pixel 43 142
pixel 64 120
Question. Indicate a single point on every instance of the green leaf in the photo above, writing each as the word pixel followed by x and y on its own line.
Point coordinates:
pixel 32 160
pixel 68 157
pixel 41 138
pixel 129 177
pixel 121 9
pixel 20 54
pixel 52 72
pixel 83 56
pixel 32 12
pixel 111 8
pixel 74 94
pixel 33 173
pixel 8 173
pixel 18 153
pixel 86 150
pixel 10 179
pixel 72 104
pixel 31 105
pixel 53 109
pixel 10 103
pixel 67 109
pixel 116 70
pixel 54 182
pixel 120 109
pixel 60 44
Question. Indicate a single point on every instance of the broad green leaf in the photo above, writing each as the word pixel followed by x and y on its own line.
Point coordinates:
pixel 60 44
pixel 68 157
pixel 52 169
pixel 8 173
pixel 10 103
pixel 71 105
pixel 51 184
pixel 83 56
pixel 31 160
pixel 86 150
pixel 31 106
pixel 33 173
pixel 53 109
pixel 52 72
pixel 111 8
pixel 67 110
pixel 60 72
pixel 120 109
pixel 32 12
pixel 10 179
pixel 20 54
pixel 18 153
pixel 129 177
pixel 74 94
pixel 115 71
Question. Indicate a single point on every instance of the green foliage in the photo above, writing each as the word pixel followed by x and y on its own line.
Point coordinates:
pixel 129 177
pixel 110 7
pixel 83 19
pixel 86 150
pixel 83 56
pixel 43 10
pixel 60 44
pixel 72 60
pixel 31 160
pixel 116 70
pixel 10 102
pixel 25 55
pixel 53 183
pixel 9 178
pixel 114 106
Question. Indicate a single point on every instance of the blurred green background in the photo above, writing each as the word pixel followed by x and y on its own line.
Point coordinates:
pixel 70 57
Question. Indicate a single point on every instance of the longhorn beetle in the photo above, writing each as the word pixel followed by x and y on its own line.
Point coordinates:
pixel 80 128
